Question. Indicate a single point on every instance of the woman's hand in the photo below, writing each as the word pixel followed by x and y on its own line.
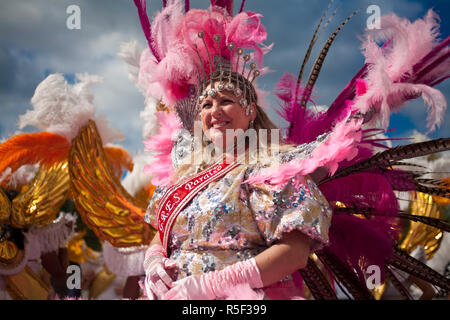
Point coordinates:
pixel 159 271
pixel 158 277
pixel 190 288
pixel 273 264
pixel 216 284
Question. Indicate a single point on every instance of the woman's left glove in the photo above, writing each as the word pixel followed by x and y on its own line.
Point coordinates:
pixel 216 284
pixel 158 272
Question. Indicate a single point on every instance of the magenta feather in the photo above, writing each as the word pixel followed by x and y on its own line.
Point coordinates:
pixel 145 23
pixel 348 93
pixel 362 242
pixel 306 125
pixel 363 190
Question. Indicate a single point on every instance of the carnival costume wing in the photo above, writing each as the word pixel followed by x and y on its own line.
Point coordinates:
pixel 61 109
pixel 106 207
pixel 39 203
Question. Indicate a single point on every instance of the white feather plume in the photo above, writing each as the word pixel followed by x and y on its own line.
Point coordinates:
pixel 130 53
pixel 21 176
pixel 151 126
pixel 136 180
pixel 63 109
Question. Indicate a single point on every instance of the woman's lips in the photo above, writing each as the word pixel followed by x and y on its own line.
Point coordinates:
pixel 219 124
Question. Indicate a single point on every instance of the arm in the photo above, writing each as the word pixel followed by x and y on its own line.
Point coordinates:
pixel 283 258
pixel 270 266
pixel 156 240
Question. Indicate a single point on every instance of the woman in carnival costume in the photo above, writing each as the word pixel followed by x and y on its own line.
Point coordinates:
pixel 230 226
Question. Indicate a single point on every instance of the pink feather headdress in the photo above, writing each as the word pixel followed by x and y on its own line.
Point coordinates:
pixel 177 58
pixel 171 65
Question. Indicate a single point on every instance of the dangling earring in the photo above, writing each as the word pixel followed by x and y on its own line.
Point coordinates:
pixel 248 110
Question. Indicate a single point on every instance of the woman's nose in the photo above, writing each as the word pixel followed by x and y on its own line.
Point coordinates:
pixel 216 108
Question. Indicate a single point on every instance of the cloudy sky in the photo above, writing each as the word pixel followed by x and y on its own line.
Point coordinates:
pixel 35 42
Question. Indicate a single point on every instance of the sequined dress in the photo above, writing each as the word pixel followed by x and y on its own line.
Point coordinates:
pixel 230 221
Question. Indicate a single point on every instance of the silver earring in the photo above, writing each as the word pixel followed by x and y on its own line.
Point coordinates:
pixel 249 110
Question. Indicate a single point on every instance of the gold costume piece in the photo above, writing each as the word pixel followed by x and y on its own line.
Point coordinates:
pixel 420 233
pixel 105 206
pixel 39 202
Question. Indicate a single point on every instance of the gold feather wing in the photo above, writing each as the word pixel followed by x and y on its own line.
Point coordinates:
pixel 5 207
pixel 105 206
pixel 39 202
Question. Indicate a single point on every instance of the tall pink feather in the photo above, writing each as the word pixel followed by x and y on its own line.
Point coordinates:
pixel 363 190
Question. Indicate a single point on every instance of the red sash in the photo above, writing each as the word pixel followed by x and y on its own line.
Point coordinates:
pixel 179 195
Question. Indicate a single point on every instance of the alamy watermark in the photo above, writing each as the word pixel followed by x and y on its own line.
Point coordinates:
pixel 374 20
pixel 73 21
pixel 255 144
pixel 373 280
pixel 74 278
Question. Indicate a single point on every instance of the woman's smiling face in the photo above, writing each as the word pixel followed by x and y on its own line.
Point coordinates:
pixel 221 113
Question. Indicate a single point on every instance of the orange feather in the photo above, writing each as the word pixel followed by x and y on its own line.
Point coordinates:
pixel 31 148
pixel 150 189
pixel 119 159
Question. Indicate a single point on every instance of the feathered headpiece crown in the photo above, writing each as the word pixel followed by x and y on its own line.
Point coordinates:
pixel 188 51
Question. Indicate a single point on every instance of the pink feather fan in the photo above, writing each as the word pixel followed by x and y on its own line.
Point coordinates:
pixel 405 67
pixel 161 167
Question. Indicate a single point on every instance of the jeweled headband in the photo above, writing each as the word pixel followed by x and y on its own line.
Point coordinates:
pixel 228 77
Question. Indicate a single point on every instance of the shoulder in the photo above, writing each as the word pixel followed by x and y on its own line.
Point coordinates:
pixel 278 154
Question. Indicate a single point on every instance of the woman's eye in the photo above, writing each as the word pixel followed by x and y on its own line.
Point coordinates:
pixel 226 101
pixel 206 105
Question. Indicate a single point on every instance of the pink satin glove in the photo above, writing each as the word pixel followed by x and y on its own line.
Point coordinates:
pixel 216 284
pixel 158 272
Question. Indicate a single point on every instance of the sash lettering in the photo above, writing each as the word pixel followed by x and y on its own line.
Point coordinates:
pixel 179 195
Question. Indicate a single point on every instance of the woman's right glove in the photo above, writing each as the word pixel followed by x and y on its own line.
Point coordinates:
pixel 217 284
pixel 158 272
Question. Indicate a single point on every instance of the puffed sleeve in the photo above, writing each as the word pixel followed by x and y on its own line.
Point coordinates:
pixel 299 205
pixel 153 206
